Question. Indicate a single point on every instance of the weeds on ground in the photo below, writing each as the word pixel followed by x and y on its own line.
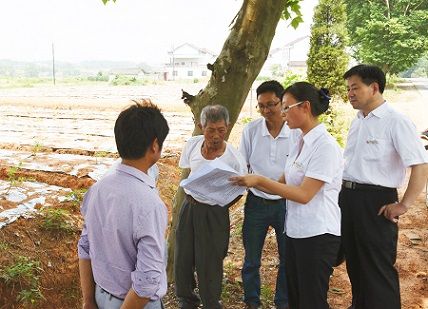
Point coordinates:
pixel 266 296
pixel 4 246
pixel 100 154
pixel 12 177
pixel 231 288
pixel 37 147
pixel 76 196
pixel 57 220
pixel 237 231
pixel 25 274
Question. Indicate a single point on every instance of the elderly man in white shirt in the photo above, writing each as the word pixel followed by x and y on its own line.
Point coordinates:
pixel 202 235
pixel 264 145
pixel 381 144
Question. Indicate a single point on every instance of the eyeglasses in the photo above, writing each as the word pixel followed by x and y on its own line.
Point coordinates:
pixel 269 105
pixel 285 109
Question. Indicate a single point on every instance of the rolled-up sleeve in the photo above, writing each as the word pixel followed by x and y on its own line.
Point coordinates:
pixel 151 267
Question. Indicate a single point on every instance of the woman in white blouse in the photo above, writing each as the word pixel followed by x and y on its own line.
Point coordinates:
pixel 311 184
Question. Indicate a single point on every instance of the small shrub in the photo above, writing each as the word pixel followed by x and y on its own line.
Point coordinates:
pixel 57 220
pixel 392 81
pixel 24 273
pixel 13 178
pixel 76 196
pixel 37 147
pixel 335 124
pixel 30 296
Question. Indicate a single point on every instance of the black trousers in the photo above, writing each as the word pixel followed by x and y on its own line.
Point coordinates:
pixel 202 240
pixel 309 265
pixel 370 245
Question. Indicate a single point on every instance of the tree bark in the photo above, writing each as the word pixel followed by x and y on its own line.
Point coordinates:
pixel 234 71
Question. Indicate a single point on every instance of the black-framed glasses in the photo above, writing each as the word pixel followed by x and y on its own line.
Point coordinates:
pixel 285 109
pixel 269 105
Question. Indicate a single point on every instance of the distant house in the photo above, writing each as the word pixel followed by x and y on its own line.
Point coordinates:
pixel 188 62
pixel 289 57
pixel 141 71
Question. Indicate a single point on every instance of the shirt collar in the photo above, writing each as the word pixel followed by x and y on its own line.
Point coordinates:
pixel 137 174
pixel 379 111
pixel 313 135
pixel 285 130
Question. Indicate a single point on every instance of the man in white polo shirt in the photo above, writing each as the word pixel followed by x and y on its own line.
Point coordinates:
pixel 381 144
pixel 264 145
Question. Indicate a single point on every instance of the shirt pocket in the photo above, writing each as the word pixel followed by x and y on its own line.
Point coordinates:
pixel 296 173
pixel 373 148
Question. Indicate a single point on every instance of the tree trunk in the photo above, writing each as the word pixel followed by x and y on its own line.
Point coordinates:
pixel 233 73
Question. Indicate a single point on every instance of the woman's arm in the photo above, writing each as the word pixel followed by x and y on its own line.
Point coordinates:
pixel 301 194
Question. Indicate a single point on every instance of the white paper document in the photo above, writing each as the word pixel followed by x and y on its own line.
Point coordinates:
pixel 212 183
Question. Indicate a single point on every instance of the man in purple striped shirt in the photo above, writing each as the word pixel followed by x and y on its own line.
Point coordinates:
pixel 121 250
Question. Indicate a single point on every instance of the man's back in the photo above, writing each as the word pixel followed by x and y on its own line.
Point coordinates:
pixel 122 213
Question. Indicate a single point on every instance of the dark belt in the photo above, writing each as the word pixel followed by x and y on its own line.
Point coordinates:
pixel 360 186
pixel 250 193
pixel 111 295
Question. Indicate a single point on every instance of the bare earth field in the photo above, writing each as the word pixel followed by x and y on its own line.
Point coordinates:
pixel 56 142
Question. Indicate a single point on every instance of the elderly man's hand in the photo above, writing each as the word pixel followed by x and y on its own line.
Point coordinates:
pixel 248 181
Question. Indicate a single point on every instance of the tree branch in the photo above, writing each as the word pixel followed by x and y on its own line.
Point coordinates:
pixel 187 97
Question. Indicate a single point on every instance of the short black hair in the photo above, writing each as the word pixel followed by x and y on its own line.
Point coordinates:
pixel 304 91
pixel 270 86
pixel 368 74
pixel 137 127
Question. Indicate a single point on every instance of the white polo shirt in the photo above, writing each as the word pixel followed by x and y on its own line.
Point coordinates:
pixel 191 157
pixel 380 147
pixel 321 159
pixel 264 154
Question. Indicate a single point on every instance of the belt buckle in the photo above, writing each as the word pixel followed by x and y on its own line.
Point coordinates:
pixel 349 185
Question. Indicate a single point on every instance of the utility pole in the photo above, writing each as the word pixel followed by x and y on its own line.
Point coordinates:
pixel 53 63
pixel 173 63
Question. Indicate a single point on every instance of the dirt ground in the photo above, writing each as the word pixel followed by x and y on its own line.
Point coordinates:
pixel 38 258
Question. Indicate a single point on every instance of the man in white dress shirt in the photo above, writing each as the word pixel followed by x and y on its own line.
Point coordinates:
pixel 264 145
pixel 381 144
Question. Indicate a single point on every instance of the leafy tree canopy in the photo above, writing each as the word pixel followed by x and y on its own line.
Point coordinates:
pixel 327 59
pixel 389 33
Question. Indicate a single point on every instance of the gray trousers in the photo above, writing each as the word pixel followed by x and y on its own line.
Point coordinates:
pixel 106 301
pixel 202 240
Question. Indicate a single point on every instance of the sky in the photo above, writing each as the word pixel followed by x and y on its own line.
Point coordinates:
pixel 128 30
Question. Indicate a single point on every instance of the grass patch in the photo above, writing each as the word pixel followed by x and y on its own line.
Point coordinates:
pixel 24 274
pixel 266 296
pixel 57 220
pixel 4 246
